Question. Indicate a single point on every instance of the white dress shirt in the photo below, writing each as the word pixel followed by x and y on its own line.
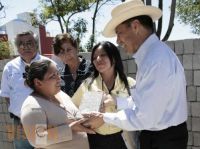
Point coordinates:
pixel 159 98
pixel 12 83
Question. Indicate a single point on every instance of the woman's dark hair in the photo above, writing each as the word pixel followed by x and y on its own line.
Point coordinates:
pixel 37 70
pixel 145 20
pixel 63 38
pixel 114 57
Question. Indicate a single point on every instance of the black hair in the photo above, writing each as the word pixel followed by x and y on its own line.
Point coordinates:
pixel 145 20
pixel 37 70
pixel 114 57
pixel 63 38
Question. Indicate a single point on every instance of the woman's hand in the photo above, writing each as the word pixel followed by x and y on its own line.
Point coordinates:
pixel 78 127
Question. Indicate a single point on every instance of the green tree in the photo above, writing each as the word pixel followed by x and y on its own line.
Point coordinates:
pixel 4 50
pixel 90 43
pixel 78 30
pixel 188 12
pixel 62 11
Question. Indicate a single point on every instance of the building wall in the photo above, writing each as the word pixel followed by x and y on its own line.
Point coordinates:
pixel 6 126
pixel 23 24
pixel 15 27
pixel 188 52
pixel 45 42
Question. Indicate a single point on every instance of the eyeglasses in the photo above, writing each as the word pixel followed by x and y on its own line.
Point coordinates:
pixel 28 44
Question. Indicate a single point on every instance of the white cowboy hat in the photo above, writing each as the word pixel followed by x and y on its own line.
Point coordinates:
pixel 127 10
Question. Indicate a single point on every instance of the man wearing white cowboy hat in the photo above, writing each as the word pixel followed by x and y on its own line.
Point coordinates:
pixel 158 105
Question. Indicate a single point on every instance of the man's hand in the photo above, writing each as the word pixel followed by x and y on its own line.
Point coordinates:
pixel 78 127
pixel 95 120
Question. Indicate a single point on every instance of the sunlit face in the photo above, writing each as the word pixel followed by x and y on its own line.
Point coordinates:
pixel 50 85
pixel 27 47
pixel 127 37
pixel 68 53
pixel 101 61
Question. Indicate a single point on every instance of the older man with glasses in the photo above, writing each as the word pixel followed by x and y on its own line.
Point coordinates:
pixel 13 88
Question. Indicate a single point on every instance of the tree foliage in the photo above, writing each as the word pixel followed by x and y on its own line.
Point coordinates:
pixel 188 12
pixel 90 43
pixel 78 30
pixel 62 11
pixel 4 50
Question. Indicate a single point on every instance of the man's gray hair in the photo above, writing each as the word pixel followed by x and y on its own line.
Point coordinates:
pixel 35 36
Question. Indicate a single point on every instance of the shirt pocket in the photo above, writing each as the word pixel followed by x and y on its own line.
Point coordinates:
pixel 16 80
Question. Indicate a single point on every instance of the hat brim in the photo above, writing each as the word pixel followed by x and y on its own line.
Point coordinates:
pixel 153 12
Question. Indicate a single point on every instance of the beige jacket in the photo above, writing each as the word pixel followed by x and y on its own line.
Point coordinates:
pixel 119 90
pixel 45 124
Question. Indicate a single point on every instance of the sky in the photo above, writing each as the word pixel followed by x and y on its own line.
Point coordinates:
pixel 13 7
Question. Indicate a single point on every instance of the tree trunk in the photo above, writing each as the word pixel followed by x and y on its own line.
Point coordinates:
pixel 58 17
pixel 1 6
pixel 171 21
pixel 160 21
pixel 60 23
pixel 94 22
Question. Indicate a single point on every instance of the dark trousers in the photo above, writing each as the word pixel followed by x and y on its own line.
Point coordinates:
pixel 113 141
pixel 174 137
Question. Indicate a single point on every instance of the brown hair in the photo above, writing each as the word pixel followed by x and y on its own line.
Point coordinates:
pixel 63 38
pixel 37 70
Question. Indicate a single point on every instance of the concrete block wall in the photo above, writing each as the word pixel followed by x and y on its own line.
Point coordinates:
pixel 191 63
pixel 188 51
pixel 6 124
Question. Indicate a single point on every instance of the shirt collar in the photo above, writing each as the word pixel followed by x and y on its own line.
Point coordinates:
pixel 37 57
pixel 142 51
pixel 100 79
